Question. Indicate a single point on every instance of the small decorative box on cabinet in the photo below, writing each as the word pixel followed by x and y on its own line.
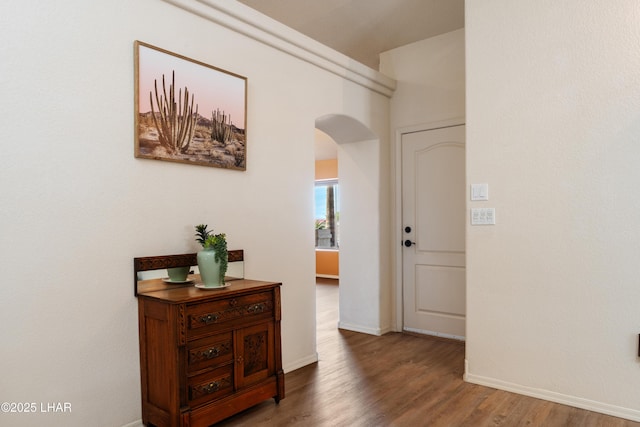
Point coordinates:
pixel 208 354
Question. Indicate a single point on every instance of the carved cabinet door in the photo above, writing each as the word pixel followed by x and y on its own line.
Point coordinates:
pixel 255 354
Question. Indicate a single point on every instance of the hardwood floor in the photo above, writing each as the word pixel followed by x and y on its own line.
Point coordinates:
pixel 398 380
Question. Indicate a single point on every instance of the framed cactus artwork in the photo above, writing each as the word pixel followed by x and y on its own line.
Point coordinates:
pixel 187 111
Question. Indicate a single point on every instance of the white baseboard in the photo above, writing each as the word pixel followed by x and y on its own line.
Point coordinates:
pixel 328 276
pixel 435 334
pixel 137 423
pixel 578 402
pixel 300 363
pixel 386 330
pixel 362 329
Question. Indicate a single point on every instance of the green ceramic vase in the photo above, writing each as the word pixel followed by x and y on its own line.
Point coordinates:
pixel 209 269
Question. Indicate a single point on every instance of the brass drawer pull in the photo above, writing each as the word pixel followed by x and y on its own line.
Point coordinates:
pixel 257 308
pixel 208 318
pixel 211 387
pixel 211 353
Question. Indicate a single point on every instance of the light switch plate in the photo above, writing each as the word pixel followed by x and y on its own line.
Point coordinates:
pixel 483 216
pixel 479 192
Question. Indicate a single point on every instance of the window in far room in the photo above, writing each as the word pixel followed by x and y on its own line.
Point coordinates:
pixel 327 214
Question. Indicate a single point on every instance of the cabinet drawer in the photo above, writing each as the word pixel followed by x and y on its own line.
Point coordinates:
pixel 205 317
pixel 209 352
pixel 211 385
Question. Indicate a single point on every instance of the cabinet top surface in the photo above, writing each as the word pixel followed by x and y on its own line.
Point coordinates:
pixel 158 290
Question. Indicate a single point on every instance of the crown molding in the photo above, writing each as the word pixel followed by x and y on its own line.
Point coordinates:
pixel 253 24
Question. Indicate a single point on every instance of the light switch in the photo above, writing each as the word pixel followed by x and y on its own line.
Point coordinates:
pixel 479 192
pixel 483 216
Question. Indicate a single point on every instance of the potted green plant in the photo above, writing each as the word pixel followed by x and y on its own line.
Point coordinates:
pixel 213 258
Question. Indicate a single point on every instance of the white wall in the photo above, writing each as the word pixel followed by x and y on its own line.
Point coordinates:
pixel 430 88
pixel 430 80
pixel 77 206
pixel 553 118
pixel 360 273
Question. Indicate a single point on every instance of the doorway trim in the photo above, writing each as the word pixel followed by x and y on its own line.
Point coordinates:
pixel 397 296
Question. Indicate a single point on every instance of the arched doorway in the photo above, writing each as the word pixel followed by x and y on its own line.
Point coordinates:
pixel 362 307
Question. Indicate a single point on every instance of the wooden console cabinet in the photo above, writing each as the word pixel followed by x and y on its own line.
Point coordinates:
pixel 208 354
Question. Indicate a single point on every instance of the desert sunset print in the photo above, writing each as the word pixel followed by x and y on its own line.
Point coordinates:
pixel 188 111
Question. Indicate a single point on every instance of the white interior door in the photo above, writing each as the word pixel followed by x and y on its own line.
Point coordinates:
pixel 433 213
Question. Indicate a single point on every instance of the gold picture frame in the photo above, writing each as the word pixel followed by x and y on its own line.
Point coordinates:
pixel 187 111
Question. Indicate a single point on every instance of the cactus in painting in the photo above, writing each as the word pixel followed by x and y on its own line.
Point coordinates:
pixel 220 129
pixel 177 121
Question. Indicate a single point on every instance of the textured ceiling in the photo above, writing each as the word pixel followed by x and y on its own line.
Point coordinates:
pixel 362 29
